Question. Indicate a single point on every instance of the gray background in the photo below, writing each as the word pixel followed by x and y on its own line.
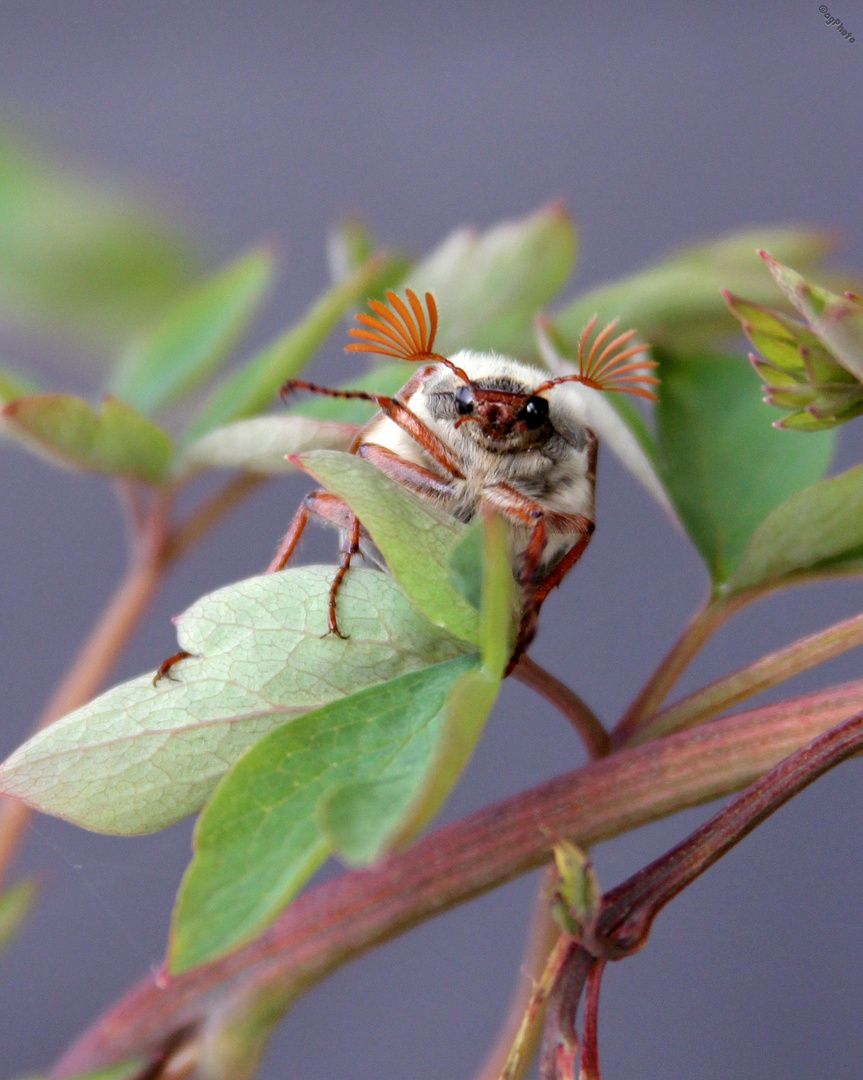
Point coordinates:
pixel 657 126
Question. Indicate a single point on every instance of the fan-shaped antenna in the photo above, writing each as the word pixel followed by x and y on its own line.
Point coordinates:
pixel 402 332
pixel 609 368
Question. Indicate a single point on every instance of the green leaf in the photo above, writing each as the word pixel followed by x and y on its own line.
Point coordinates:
pixel 195 335
pixel 724 466
pixel 261 444
pixel 415 538
pixel 258 840
pixel 254 386
pixel 115 440
pixel 489 287
pixel 140 757
pixel 817 531
pixel 77 255
pixel 13 385
pixel 678 301
pixel 15 904
pixel 363 819
pixel 465 564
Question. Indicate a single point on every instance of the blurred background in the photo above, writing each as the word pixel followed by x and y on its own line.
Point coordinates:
pixel 658 126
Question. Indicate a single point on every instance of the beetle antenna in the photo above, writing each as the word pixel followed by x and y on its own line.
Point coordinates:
pixel 400 331
pixel 606 368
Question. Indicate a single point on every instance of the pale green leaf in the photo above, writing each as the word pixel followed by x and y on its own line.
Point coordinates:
pixel 678 301
pixel 817 531
pixel 258 839
pixel 261 444
pixel 415 538
pixel 115 440
pixel 725 467
pixel 140 757
pixel 489 286
pixel 255 386
pixel 195 335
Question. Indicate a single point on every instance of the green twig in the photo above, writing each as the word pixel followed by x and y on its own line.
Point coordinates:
pixel 770 670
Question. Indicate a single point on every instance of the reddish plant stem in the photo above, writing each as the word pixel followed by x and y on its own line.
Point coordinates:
pixel 334 922
pixel 705 622
pixel 763 673
pixel 559 1051
pixel 89 669
pixel 589 1069
pixel 580 715
pixel 629 910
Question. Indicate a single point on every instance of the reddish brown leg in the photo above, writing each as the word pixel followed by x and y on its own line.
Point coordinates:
pixel 165 667
pixel 318 504
pixel 414 477
pixel 350 547
pixel 398 412
pixel 522 510
pixel 559 572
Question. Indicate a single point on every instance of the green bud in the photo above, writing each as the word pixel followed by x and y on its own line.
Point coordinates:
pixel 812 368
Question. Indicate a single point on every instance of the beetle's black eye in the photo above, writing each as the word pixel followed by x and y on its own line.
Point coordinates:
pixel 535 412
pixel 464 401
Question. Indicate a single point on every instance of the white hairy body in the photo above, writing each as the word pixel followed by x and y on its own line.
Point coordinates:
pixel 555 472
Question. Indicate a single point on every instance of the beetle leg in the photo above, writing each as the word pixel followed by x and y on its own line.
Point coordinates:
pixel 317 504
pixel 350 546
pixel 164 669
pixel 522 510
pixel 414 477
pixel 334 511
pixel 398 412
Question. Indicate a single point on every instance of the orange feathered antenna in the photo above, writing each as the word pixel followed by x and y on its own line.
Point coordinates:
pixel 401 332
pixel 608 369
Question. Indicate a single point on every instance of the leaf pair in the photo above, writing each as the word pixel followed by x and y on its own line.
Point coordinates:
pixel 371 731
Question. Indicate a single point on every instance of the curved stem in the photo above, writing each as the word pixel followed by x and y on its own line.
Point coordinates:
pixel 747 681
pixel 338 920
pixel 579 714
pixel 90 667
pixel 706 621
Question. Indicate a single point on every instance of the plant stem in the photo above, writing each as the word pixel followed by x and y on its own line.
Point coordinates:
pixel 596 739
pixel 589 1069
pixel 774 668
pixel 709 617
pixel 518 1039
pixel 154 547
pixel 336 921
pixel 88 670
pixel 208 512
pixel 629 909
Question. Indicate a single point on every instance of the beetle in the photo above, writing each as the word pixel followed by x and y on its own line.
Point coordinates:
pixel 477 431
